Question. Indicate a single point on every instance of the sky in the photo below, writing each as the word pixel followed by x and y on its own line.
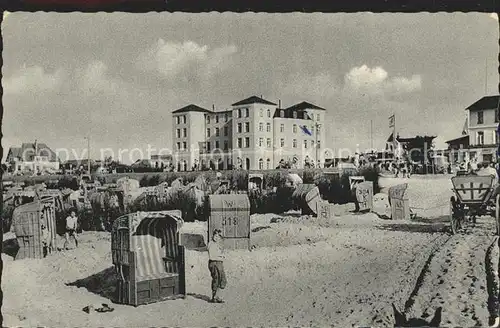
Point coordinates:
pixel 117 77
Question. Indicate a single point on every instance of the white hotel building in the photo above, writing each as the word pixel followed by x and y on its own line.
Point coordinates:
pixel 254 134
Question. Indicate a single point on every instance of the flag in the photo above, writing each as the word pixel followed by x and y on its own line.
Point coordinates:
pixel 392 120
pixel 306 130
pixel 465 129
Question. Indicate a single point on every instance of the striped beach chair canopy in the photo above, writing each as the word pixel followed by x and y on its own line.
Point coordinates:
pixel 153 239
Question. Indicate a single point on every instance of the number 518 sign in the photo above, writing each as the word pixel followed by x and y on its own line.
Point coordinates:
pixel 229 222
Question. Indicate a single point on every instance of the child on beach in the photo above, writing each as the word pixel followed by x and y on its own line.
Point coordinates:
pixel 71 225
pixel 215 265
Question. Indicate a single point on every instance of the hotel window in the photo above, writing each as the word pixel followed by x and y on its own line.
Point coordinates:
pixel 268 113
pixel 208 133
pixel 178 146
pixel 239 142
pixel 261 164
pixel 226 145
pixel 247 142
pixel 178 133
pixel 282 128
pixel 294 143
pixel 312 130
pixel 247 127
pixel 305 143
pixel 480 117
pixel 295 128
pixel 216 118
pixel 184 118
pixel 496 115
pixel 261 127
pixel 217 144
pixel 282 142
pixel 268 142
pixel 268 127
pixel 317 117
pixel 184 145
pixel 178 119
pixel 261 112
pixel 312 144
pixel 239 112
pixel 225 117
pixel 247 112
pixel 239 127
pixel 480 138
pixel 318 144
pixel 217 132
pixel 208 119
pixel 261 141
pixel 225 131
pixel 208 146
pixel 185 132
pixel 268 164
pixel 318 128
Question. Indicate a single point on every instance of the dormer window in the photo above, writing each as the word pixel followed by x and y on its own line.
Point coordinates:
pixel 480 117
pixel 294 114
pixel 282 113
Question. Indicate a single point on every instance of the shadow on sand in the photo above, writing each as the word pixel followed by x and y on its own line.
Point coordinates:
pixel 10 247
pixel 200 297
pixel 415 227
pixel 102 284
pixel 257 229
pixel 193 241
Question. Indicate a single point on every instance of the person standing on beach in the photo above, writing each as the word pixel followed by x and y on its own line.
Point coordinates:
pixel 215 265
pixel 71 225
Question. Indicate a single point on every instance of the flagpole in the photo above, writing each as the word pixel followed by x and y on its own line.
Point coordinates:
pixel 371 135
pixel 394 135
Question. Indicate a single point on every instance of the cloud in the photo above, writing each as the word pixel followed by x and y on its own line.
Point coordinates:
pixel 375 81
pixel 32 79
pixel 170 59
pixel 94 78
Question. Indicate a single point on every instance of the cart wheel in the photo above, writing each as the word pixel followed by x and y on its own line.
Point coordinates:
pixel 497 214
pixel 453 217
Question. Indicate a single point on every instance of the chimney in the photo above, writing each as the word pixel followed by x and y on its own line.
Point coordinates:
pixel 279 104
pixel 213 107
pixel 35 146
pixel 261 97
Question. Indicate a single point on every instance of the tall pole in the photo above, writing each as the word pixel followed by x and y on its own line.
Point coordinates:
pixel 88 153
pixel 486 76
pixel 316 136
pixel 371 135
pixel 394 137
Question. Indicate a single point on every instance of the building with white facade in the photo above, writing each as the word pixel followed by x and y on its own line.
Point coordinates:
pixel 482 118
pixel 479 138
pixel 33 157
pixel 254 134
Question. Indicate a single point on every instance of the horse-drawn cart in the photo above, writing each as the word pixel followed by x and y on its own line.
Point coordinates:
pixel 474 196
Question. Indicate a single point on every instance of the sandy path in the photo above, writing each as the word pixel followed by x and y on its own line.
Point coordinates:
pixel 344 275
pixel 456 280
pixel 344 271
